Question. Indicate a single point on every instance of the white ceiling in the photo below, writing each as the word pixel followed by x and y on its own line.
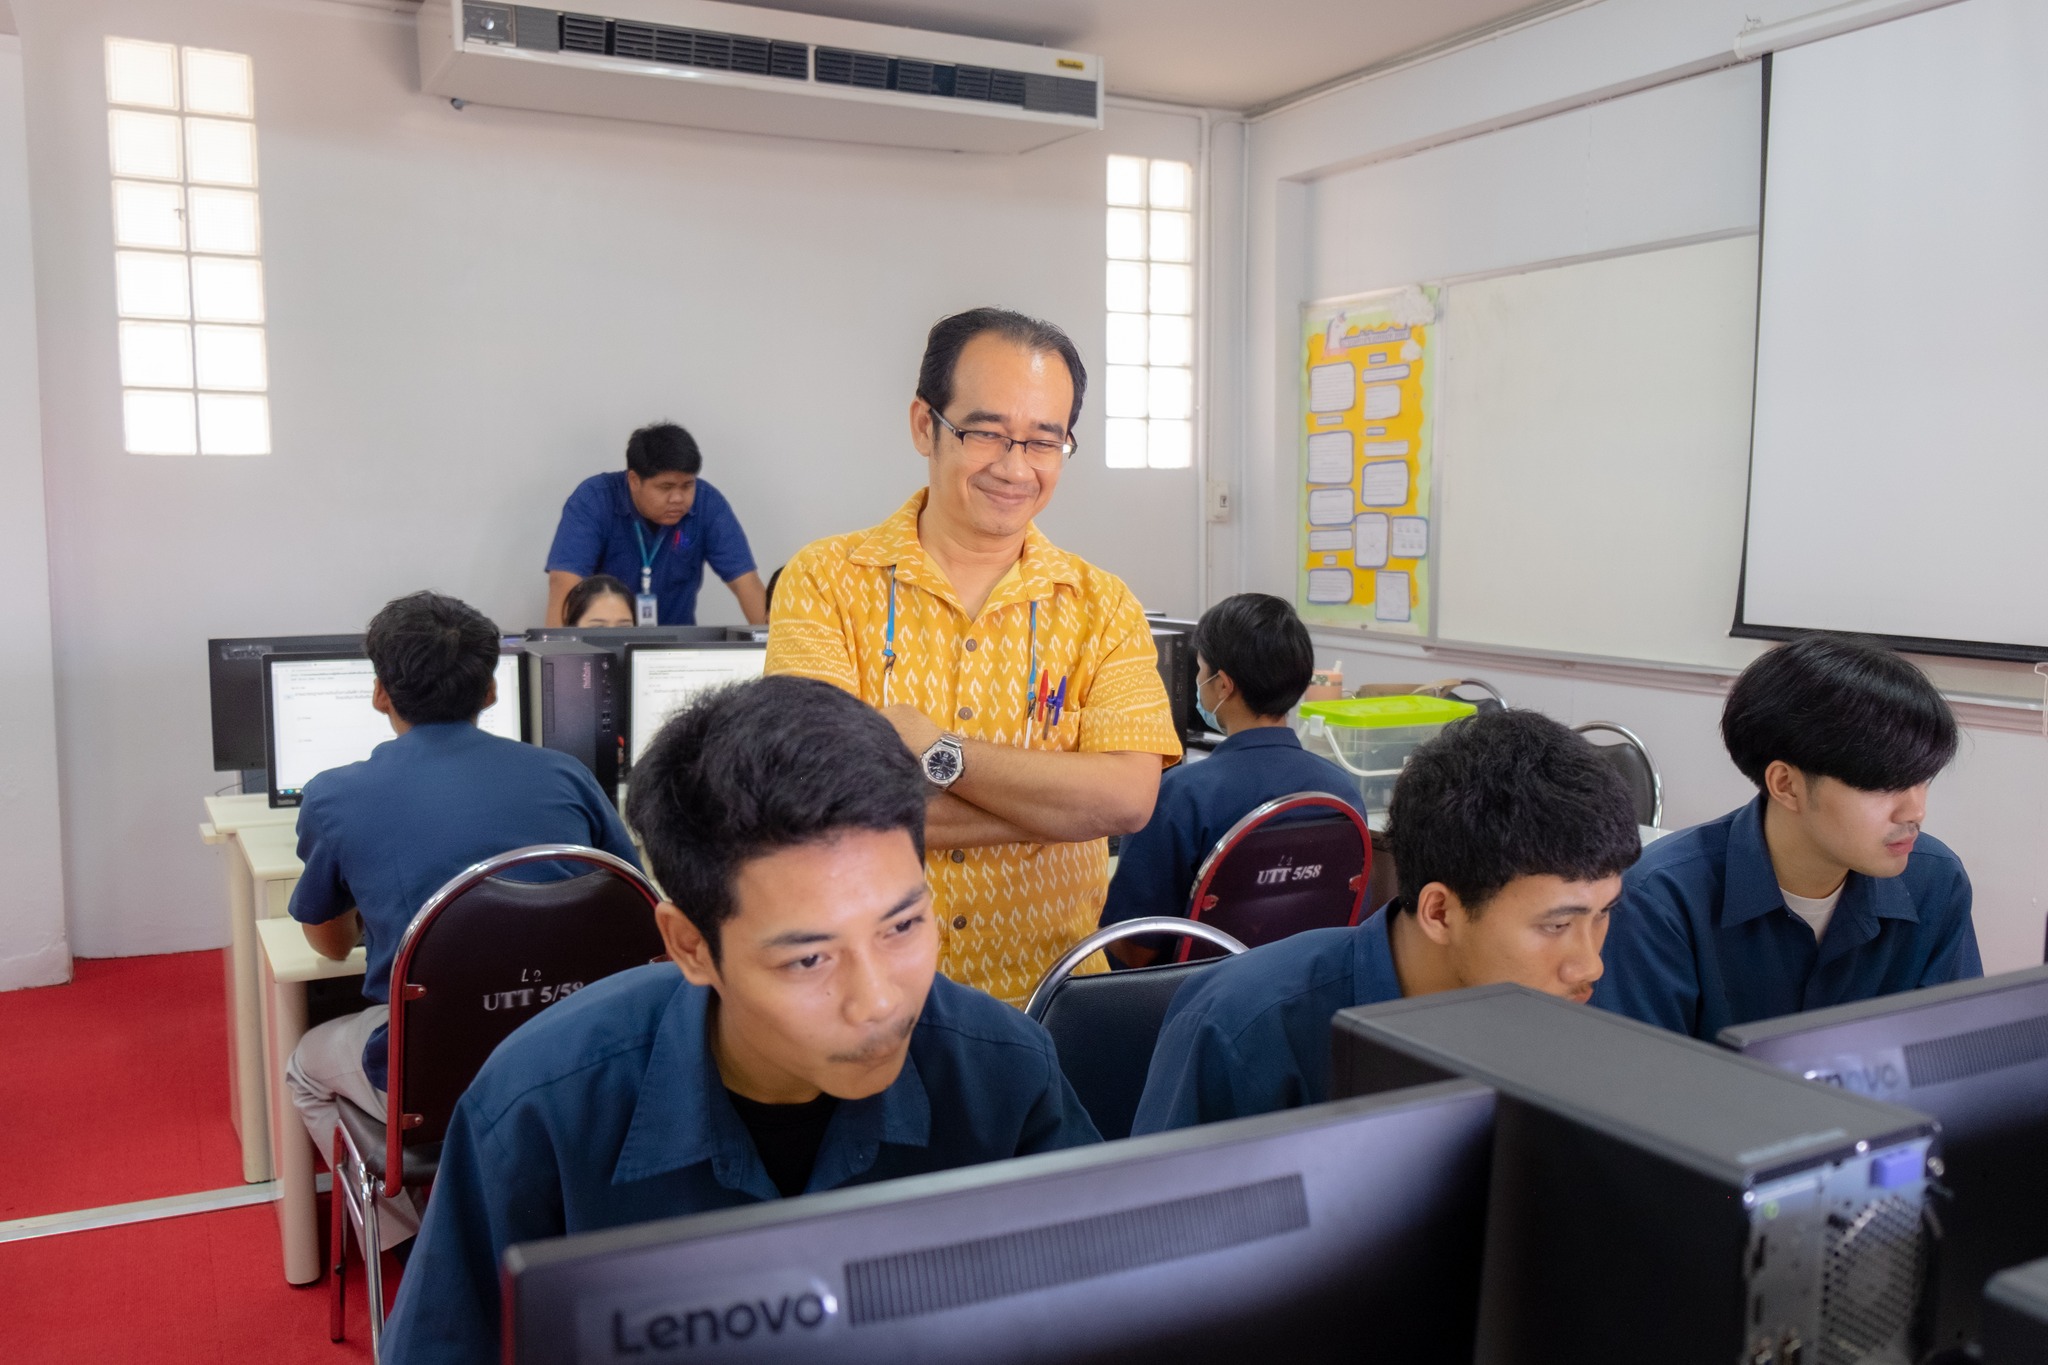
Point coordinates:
pixel 1228 54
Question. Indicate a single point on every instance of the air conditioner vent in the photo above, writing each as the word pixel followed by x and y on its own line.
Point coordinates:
pixel 919 78
pixel 1006 87
pixel 583 33
pixel 750 55
pixel 633 41
pixel 867 70
pixel 792 61
pixel 675 46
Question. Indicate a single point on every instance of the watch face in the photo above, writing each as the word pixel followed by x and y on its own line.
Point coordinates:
pixel 942 764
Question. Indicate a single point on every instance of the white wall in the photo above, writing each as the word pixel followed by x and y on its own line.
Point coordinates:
pixel 32 942
pixel 1570 160
pixel 468 312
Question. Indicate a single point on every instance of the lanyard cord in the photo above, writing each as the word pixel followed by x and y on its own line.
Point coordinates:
pixel 889 646
pixel 646 559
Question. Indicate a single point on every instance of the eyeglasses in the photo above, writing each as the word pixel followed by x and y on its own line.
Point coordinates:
pixel 991 446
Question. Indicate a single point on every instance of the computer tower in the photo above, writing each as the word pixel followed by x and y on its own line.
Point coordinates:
pixel 2016 1316
pixel 1655 1199
pixel 1175 642
pixel 573 689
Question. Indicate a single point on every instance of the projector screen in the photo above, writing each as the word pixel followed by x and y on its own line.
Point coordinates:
pixel 1899 460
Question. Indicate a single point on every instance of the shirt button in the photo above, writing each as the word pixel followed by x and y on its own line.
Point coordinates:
pixel 959 855
pixel 971 644
pixel 959 921
pixel 967 713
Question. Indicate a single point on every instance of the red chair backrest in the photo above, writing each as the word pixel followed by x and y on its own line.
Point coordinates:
pixel 487 953
pixel 1298 862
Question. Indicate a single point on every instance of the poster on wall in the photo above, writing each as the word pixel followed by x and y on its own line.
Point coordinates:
pixel 1368 383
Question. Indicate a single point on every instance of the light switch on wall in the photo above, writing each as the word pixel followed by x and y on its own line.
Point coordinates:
pixel 1216 498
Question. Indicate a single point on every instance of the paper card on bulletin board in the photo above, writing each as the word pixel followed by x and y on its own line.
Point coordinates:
pixel 1368 437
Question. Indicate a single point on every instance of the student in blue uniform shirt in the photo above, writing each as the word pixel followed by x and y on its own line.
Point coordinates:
pixel 1252 663
pixel 654 526
pixel 1509 835
pixel 380 836
pixel 800 1039
pixel 1822 890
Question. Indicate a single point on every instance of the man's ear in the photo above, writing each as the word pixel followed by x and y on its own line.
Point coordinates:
pixel 687 946
pixel 1433 911
pixel 1786 786
pixel 381 700
pixel 923 430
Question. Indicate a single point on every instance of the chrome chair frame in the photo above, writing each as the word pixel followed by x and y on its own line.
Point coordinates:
pixel 1634 741
pixel 1041 994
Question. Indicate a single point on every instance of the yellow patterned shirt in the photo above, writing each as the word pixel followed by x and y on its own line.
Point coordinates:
pixel 1007 911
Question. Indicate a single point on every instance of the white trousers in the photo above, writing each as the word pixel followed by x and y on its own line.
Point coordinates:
pixel 329 1062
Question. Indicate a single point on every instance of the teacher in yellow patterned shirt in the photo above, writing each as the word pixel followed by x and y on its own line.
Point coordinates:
pixel 1023 678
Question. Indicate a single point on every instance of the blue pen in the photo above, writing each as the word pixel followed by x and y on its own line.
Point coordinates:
pixel 1059 702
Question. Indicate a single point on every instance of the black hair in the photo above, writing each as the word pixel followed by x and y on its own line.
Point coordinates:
pixel 1839 706
pixel 768 597
pixel 1260 642
pixel 949 337
pixel 662 448
pixel 1506 795
pixel 588 590
pixel 757 767
pixel 436 657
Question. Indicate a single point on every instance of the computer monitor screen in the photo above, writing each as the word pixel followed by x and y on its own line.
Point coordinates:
pixel 1974 1054
pixel 1347 1232
pixel 320 716
pixel 663 679
pixel 234 677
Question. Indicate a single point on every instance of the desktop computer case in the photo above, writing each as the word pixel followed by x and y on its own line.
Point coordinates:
pixel 2016 1316
pixel 1654 1199
pixel 572 688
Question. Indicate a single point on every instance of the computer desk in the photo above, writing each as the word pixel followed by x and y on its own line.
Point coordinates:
pixel 262 865
pixel 287 962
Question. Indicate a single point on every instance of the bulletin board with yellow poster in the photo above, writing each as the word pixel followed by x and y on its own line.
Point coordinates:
pixel 1368 384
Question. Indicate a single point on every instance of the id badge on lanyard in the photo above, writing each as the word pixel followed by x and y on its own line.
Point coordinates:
pixel 645 605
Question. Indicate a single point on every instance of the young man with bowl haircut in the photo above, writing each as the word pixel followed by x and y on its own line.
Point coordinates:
pixel 1822 890
pixel 1509 835
pixel 798 1040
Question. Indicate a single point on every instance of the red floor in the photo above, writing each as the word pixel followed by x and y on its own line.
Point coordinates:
pixel 115 1087
pixel 112 1089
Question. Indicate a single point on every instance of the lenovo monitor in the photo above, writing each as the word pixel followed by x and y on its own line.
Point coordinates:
pixel 662 679
pixel 318 715
pixel 1343 1232
pixel 1974 1054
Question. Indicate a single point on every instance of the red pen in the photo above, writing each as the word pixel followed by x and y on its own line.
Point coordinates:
pixel 1044 688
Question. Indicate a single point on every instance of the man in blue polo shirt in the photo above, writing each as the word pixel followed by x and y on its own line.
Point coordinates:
pixel 654 526
pixel 1509 835
pixel 1252 663
pixel 1822 890
pixel 380 836
pixel 800 1040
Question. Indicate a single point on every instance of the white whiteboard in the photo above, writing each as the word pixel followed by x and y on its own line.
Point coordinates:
pixel 1901 470
pixel 1593 455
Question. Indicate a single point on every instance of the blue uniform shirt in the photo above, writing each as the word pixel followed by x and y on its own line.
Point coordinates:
pixel 608 1109
pixel 1197 805
pixel 596 535
pixel 1251 1035
pixel 384 834
pixel 1702 938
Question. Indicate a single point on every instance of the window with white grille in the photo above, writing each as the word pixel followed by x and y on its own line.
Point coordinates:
pixel 1149 390
pixel 188 269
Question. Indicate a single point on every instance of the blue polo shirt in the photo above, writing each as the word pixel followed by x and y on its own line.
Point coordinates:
pixel 382 835
pixel 1702 938
pixel 1251 1035
pixel 608 1109
pixel 1197 805
pixel 596 535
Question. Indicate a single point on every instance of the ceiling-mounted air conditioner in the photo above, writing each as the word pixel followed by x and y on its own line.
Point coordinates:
pixel 706 64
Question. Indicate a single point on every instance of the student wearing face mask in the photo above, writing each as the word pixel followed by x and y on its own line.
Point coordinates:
pixel 1822 890
pixel 1510 835
pixel 1252 663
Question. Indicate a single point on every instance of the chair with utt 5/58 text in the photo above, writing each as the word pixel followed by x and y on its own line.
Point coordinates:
pixel 1104 1026
pixel 1297 862
pixel 482 956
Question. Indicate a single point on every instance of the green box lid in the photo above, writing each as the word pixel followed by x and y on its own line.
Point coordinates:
pixel 1371 713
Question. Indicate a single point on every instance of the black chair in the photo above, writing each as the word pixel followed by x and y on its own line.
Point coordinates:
pixel 1297 862
pixel 483 955
pixel 1488 699
pixel 1631 758
pixel 1105 1025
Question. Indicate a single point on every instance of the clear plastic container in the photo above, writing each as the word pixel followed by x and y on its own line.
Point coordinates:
pixel 1371 737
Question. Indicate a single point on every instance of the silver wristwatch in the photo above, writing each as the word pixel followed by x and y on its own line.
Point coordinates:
pixel 943 762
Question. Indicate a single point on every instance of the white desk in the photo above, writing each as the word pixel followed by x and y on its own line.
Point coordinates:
pixel 287 962
pixel 262 866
